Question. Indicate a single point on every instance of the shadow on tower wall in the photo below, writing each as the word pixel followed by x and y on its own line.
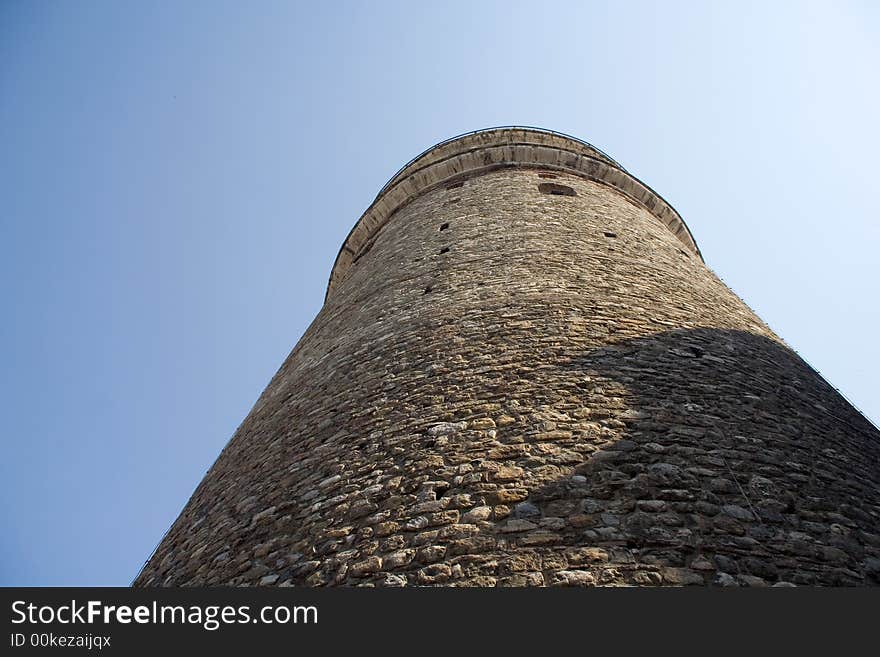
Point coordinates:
pixel 722 458
pixel 685 457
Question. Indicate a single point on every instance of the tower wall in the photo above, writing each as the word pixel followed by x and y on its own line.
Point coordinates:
pixel 524 374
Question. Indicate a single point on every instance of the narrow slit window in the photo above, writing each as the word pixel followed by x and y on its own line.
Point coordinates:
pixel 444 226
pixel 445 249
pixel 611 235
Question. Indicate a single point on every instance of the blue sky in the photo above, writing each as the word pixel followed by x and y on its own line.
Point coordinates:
pixel 176 179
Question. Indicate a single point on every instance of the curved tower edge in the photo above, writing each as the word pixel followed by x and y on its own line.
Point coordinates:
pixel 478 152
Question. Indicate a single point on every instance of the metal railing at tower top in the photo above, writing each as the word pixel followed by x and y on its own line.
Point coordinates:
pixel 494 129
pixel 516 135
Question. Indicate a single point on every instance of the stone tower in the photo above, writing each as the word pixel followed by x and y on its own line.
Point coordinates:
pixel 524 374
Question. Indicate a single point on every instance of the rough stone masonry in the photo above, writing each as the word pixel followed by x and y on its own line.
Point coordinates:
pixel 525 375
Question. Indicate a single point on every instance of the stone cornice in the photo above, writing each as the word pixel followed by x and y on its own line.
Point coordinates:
pixel 486 150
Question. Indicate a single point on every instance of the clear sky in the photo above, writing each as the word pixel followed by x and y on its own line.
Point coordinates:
pixel 176 179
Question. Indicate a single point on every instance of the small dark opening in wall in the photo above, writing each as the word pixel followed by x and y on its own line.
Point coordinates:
pixel 455 185
pixel 445 249
pixel 556 190
pixel 364 250
pixel 610 234
pixel 444 226
pixel 684 253
pixel 547 175
pixel 427 289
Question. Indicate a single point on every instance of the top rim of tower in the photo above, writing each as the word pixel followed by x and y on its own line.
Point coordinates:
pixel 480 151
